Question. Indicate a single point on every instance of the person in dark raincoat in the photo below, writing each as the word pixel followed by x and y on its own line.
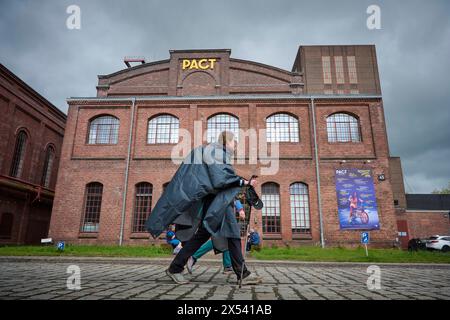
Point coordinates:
pixel 199 200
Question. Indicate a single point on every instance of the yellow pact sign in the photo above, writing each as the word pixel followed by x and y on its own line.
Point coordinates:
pixel 201 64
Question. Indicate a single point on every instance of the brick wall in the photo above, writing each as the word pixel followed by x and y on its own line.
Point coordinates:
pixel 21 108
pixel 422 224
pixel 82 164
pixel 151 163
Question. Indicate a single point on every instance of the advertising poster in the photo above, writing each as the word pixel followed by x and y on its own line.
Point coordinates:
pixel 357 204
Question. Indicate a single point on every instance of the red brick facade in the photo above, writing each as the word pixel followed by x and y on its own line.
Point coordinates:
pixel 25 198
pixel 425 223
pixel 247 90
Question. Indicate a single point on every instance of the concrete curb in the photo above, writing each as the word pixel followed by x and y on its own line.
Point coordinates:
pixel 284 263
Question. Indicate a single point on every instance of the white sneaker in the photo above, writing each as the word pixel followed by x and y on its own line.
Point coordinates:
pixel 177 277
pixel 251 279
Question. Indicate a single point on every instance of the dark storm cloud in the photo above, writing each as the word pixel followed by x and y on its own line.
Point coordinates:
pixel 413 47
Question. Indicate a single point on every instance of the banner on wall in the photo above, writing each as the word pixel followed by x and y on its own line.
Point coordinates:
pixel 357 203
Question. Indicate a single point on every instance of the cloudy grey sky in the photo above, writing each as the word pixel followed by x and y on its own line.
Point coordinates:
pixel 413 48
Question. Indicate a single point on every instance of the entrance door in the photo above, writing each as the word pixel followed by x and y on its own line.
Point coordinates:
pixel 403 235
pixel 37 230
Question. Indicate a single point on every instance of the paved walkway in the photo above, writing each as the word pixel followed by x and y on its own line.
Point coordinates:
pixel 46 278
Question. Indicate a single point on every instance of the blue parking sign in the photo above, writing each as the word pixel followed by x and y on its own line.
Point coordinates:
pixel 60 246
pixel 365 237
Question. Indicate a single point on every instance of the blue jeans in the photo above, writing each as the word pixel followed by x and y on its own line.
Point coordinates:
pixel 208 246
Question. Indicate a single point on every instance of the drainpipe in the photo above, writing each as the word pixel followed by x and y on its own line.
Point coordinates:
pixel 316 156
pixel 127 169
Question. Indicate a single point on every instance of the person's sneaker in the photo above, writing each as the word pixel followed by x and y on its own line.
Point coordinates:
pixel 177 277
pixel 251 279
pixel 190 264
pixel 227 270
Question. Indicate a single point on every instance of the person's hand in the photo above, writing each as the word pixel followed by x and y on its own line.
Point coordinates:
pixel 253 182
pixel 242 214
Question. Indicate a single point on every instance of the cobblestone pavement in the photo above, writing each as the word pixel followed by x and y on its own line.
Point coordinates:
pixel 47 279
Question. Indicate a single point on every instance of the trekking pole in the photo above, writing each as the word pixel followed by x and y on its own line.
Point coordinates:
pixel 243 246
pixel 244 243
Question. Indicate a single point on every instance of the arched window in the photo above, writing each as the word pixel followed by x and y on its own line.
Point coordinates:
pixel 6 225
pixel 222 122
pixel 282 127
pixel 19 154
pixel 48 166
pixel 342 127
pixel 300 219
pixel 92 207
pixel 142 205
pixel 104 130
pixel 270 196
pixel 163 129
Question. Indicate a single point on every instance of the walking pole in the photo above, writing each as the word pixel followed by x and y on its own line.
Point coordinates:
pixel 244 243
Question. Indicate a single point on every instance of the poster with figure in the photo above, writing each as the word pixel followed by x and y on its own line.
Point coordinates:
pixel 357 203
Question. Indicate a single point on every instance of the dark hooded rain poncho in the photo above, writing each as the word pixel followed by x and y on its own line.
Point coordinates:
pixel 205 171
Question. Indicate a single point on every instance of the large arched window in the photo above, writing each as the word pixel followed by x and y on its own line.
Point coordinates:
pixel 92 207
pixel 300 219
pixel 6 225
pixel 342 127
pixel 48 166
pixel 282 127
pixel 142 205
pixel 163 129
pixel 19 154
pixel 104 130
pixel 222 122
pixel 270 196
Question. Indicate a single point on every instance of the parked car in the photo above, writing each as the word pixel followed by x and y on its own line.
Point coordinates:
pixel 441 243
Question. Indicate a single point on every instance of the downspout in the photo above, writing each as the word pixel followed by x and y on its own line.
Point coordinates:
pixel 127 169
pixel 316 156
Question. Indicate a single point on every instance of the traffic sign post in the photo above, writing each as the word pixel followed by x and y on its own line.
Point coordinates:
pixel 365 238
pixel 61 245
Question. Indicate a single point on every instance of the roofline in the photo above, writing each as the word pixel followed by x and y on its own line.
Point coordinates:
pixel 147 64
pixel 27 87
pixel 227 97
pixel 260 64
pixel 199 50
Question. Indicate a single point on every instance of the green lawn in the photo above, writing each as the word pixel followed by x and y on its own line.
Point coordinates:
pixel 350 255
pixel 87 251
pixel 307 253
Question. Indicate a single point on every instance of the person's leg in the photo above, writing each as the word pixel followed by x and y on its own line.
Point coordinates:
pixel 351 214
pixel 178 263
pixel 226 259
pixel 234 248
pixel 205 248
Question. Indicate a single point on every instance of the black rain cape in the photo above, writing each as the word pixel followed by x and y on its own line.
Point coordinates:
pixel 206 170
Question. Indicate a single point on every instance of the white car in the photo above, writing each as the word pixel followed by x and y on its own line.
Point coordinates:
pixel 439 243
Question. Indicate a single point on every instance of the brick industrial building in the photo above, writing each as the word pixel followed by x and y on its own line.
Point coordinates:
pixel 31 136
pixel 327 115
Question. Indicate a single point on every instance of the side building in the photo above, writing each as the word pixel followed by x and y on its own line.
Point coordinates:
pixel 31 136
